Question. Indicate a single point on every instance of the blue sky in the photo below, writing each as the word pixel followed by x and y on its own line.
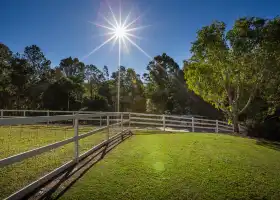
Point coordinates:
pixel 62 29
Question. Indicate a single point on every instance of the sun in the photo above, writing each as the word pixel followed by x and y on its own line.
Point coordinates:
pixel 120 32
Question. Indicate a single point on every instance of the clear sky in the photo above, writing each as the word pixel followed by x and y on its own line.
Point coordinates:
pixel 62 29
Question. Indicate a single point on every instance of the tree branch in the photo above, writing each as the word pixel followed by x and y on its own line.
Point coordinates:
pixel 248 103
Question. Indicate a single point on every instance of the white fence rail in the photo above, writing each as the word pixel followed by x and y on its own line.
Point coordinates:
pixel 105 120
pixel 114 121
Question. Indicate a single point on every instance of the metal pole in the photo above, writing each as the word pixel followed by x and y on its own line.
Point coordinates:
pixel 76 134
pixel 217 126
pixel 119 76
pixel 192 124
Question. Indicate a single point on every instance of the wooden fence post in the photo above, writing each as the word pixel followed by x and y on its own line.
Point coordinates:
pixel 100 121
pixel 217 126
pixel 76 139
pixel 48 114
pixel 192 124
pixel 121 121
pixel 129 120
pixel 108 123
pixel 73 119
pixel 24 113
pixel 2 113
pixel 163 120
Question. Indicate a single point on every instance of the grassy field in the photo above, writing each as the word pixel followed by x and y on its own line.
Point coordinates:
pixel 17 139
pixel 150 166
pixel 184 166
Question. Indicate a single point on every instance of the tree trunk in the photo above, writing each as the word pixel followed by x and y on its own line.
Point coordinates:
pixel 235 123
pixel 235 126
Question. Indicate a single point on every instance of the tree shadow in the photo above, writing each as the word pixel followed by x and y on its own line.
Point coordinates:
pixel 269 144
pixel 55 188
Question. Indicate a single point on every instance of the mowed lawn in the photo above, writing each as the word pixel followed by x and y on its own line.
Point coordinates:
pixel 17 139
pixel 183 166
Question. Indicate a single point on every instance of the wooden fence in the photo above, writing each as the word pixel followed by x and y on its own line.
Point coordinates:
pixel 105 120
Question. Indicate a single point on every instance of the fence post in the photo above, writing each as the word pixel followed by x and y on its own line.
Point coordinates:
pixel 76 139
pixel 73 119
pixel 24 113
pixel 2 113
pixel 48 114
pixel 121 121
pixel 192 124
pixel 239 128
pixel 217 126
pixel 108 123
pixel 163 120
pixel 100 121
pixel 129 121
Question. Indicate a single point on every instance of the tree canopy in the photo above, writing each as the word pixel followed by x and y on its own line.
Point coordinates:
pixel 229 69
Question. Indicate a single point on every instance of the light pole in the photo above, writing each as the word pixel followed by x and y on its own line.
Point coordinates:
pixel 119 76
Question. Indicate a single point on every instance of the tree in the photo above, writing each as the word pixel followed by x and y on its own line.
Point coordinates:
pixel 21 81
pixel 61 95
pixel 228 69
pixel 165 86
pixel 94 79
pixel 73 69
pixel 5 72
pixel 37 60
pixel 42 75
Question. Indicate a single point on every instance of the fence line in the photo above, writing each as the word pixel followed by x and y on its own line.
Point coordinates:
pixel 19 120
pixel 162 122
pixel 135 118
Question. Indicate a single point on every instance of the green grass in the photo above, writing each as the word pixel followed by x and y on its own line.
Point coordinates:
pixel 17 139
pixel 183 166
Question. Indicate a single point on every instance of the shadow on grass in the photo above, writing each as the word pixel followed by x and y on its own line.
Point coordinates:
pixel 63 182
pixel 269 144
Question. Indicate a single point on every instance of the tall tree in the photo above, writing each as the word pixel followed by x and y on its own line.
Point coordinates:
pixel 165 86
pixel 227 69
pixel 94 78
pixel 21 81
pixel 5 72
pixel 73 69
pixel 37 60
pixel 132 95
pixel 42 75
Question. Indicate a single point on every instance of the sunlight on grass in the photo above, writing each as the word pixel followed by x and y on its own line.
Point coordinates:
pixel 17 139
pixel 183 166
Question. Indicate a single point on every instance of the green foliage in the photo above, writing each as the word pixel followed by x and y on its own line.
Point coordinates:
pixel 165 86
pixel 73 69
pixel 229 69
pixel 69 94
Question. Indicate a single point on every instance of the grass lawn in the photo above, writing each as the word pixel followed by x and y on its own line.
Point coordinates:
pixel 183 166
pixel 18 139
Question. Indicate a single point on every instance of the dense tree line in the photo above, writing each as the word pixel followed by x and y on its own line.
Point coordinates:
pixel 29 82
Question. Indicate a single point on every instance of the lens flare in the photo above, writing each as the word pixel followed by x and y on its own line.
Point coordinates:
pixel 121 31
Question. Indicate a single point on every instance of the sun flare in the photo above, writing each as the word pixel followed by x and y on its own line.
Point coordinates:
pixel 121 31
